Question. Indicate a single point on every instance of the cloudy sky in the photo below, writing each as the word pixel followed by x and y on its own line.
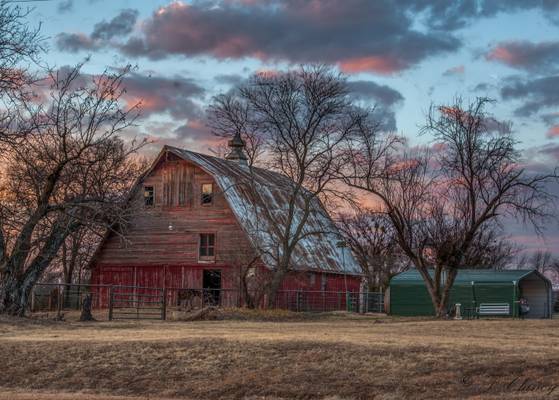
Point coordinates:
pixel 401 55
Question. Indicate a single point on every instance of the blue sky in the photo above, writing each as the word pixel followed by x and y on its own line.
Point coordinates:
pixel 401 54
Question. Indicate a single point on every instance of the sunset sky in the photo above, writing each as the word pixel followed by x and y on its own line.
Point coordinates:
pixel 401 55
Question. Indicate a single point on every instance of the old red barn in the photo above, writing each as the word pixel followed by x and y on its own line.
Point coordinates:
pixel 198 224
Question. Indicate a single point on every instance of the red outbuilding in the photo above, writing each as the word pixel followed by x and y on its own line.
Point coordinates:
pixel 196 225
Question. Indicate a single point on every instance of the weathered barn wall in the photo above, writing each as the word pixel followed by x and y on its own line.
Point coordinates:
pixel 175 277
pixel 168 233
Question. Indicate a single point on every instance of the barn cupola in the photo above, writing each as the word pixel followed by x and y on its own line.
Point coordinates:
pixel 237 150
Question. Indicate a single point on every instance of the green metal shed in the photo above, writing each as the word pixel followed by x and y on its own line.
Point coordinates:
pixel 409 296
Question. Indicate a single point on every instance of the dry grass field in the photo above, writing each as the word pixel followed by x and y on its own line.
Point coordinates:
pixel 329 357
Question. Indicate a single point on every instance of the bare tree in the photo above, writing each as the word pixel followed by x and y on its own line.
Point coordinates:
pixel 303 117
pixel 66 169
pixel 251 277
pixel 542 261
pixel 371 237
pixel 20 45
pixel 491 249
pixel 441 203
pixel 229 115
pixel 75 254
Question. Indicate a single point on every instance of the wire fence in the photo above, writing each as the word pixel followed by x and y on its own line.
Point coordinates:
pixel 136 302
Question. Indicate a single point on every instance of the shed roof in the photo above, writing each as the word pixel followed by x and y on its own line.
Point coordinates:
pixel 471 275
pixel 316 251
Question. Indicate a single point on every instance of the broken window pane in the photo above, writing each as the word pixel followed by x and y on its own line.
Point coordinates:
pixel 207 193
pixel 149 199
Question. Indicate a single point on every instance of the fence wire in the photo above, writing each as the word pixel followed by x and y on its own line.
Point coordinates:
pixel 135 302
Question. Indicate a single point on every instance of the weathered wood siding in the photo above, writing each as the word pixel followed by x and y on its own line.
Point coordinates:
pixel 168 233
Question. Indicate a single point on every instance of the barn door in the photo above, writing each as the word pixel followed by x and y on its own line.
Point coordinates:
pixel 212 286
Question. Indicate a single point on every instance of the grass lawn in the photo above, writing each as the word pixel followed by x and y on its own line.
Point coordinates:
pixel 333 357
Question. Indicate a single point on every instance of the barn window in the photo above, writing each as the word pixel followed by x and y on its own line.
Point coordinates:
pixel 312 278
pixel 206 251
pixel 207 193
pixel 149 198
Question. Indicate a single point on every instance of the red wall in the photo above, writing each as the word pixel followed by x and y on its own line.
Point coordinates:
pixel 318 290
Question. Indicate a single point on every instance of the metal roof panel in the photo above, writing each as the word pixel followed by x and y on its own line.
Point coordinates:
pixel 469 275
pixel 317 251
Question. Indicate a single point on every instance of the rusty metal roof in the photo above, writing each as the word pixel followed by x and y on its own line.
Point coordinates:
pixel 259 199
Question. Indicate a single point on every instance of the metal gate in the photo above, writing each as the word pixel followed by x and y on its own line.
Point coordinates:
pixel 373 302
pixel 133 302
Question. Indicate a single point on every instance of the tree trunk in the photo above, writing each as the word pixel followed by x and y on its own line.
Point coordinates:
pixel 249 300
pixel 86 309
pixel 445 296
pixel 438 306
pixel 434 292
pixel 14 294
pixel 438 298
pixel 68 280
pixel 371 282
pixel 275 284
pixel 16 288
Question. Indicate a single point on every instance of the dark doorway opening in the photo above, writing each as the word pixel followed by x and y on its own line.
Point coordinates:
pixel 212 286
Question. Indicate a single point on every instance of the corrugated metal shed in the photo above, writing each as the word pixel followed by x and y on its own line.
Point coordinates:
pixel 409 296
pixel 253 192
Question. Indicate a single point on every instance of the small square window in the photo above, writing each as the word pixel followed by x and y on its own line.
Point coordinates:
pixel 206 251
pixel 207 193
pixel 149 198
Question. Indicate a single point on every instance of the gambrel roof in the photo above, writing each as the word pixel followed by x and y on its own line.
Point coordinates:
pixel 254 193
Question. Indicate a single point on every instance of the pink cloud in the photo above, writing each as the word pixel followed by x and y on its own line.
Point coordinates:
pixel 379 64
pixel 553 132
pixel 503 54
pixel 525 55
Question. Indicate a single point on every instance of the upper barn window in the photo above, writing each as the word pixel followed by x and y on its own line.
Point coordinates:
pixel 149 196
pixel 207 193
pixel 206 251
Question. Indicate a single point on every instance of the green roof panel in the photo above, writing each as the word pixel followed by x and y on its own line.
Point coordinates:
pixel 468 275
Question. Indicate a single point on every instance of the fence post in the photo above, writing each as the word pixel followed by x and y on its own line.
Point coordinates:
pixel 33 299
pixel 111 303
pixel 59 305
pixel 164 305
